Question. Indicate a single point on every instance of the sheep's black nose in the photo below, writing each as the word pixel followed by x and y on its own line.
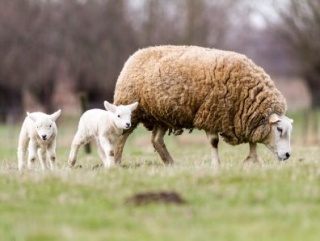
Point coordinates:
pixel 128 125
pixel 44 137
pixel 287 154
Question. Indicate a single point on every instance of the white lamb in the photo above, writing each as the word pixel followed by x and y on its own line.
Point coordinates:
pixel 38 133
pixel 105 127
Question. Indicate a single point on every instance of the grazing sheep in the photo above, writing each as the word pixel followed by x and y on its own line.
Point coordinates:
pixel 104 127
pixel 38 132
pixel 221 92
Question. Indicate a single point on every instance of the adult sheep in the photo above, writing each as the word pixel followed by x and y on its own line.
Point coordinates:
pixel 223 93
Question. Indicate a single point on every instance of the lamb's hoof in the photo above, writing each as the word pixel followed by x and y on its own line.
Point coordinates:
pixel 75 167
pixel 97 166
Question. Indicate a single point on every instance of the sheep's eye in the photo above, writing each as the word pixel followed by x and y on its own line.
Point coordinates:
pixel 279 129
pixel 119 116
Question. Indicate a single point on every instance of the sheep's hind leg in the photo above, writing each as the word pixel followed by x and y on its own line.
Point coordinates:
pixel 77 142
pixel 214 141
pixel 158 133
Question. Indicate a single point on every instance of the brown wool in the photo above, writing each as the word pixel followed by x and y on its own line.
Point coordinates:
pixel 186 87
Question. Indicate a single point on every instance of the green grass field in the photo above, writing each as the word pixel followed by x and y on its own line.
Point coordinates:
pixel 274 201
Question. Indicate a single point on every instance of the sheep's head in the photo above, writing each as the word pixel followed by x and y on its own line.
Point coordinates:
pixel 278 139
pixel 121 113
pixel 44 123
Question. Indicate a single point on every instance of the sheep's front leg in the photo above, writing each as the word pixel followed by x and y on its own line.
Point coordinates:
pixel 120 145
pixel 42 151
pixel 108 151
pixel 252 157
pixel 22 150
pixel 214 141
pixel 32 149
pixel 100 150
pixel 52 155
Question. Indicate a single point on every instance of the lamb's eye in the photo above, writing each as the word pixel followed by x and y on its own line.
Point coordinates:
pixel 119 116
pixel 50 126
pixel 279 129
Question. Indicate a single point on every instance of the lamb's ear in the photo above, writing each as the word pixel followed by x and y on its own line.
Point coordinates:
pixel 133 106
pixel 274 118
pixel 110 107
pixel 32 116
pixel 55 115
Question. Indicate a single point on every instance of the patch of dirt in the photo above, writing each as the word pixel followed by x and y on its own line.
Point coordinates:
pixel 167 197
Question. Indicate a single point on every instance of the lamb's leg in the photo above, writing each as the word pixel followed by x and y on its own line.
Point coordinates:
pixel 252 157
pixel 22 149
pixel 77 142
pixel 108 161
pixel 52 155
pixel 158 133
pixel 42 157
pixel 214 141
pixel 32 149
pixel 120 145
pixel 100 150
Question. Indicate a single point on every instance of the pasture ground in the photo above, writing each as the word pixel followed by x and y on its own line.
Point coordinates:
pixel 273 201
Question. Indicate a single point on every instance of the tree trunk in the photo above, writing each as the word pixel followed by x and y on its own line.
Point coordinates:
pixel 313 82
pixel 311 118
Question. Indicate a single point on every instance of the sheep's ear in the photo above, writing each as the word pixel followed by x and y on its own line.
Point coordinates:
pixel 55 115
pixel 274 118
pixel 32 116
pixel 133 106
pixel 290 120
pixel 110 107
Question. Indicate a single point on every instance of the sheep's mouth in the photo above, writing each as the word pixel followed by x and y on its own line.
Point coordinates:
pixel 282 158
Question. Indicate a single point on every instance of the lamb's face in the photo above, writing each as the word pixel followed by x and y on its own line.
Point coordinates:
pixel 122 114
pixel 278 140
pixel 44 124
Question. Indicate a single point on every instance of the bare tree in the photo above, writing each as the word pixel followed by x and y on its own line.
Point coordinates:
pixel 299 27
pixel 201 22
pixel 89 41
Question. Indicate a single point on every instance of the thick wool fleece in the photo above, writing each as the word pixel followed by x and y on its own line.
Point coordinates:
pixel 192 87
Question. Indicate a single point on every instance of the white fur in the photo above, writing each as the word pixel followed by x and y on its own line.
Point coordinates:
pixel 38 133
pixel 278 140
pixel 105 127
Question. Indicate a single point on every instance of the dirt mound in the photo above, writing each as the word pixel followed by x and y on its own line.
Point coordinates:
pixel 167 197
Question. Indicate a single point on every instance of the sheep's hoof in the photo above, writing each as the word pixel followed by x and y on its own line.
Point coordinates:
pixel 252 161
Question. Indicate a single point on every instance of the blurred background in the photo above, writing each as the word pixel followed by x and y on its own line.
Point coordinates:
pixel 53 53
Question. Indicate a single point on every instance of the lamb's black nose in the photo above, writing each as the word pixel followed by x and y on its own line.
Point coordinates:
pixel 287 154
pixel 44 137
pixel 128 125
